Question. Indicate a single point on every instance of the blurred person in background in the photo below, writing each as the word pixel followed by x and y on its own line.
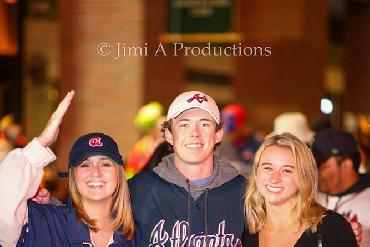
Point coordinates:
pixel 295 123
pixel 343 189
pixel 163 149
pixel 148 121
pixel 13 131
pixel 11 135
pixel 239 143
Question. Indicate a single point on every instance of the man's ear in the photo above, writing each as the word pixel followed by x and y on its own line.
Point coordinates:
pixel 168 136
pixel 219 135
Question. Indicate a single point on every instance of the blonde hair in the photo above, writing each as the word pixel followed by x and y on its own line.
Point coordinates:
pixel 307 212
pixel 121 206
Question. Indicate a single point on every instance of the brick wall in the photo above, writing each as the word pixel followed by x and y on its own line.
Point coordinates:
pixel 108 90
pixel 164 76
pixel 358 58
pixel 291 78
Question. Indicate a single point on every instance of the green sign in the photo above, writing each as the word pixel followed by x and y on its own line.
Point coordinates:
pixel 42 8
pixel 200 16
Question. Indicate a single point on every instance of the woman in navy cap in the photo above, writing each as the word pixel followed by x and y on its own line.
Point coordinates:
pixel 98 212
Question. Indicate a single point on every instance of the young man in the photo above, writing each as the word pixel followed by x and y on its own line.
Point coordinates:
pixel 343 189
pixel 192 198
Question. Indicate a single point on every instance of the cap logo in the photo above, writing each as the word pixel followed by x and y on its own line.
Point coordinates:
pixel 198 98
pixel 95 142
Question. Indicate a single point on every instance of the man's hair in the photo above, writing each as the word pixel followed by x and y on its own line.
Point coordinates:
pixel 121 206
pixel 306 211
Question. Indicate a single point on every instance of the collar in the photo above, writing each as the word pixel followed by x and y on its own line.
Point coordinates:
pixel 362 183
pixel 223 173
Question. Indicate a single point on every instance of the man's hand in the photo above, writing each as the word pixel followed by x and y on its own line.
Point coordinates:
pixel 357 230
pixel 50 132
pixel 356 227
pixel 42 196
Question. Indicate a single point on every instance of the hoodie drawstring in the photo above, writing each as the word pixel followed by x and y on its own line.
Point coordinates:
pixel 206 216
pixel 189 194
pixel 205 213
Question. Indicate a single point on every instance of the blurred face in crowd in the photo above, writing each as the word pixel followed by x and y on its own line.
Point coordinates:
pixel 193 136
pixel 276 175
pixel 330 178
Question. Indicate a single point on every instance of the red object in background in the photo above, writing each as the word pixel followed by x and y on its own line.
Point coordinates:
pixel 21 141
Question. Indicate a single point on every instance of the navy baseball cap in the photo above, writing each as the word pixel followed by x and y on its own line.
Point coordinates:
pixel 334 142
pixel 94 144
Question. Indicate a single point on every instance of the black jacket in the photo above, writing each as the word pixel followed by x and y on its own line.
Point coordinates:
pixel 334 231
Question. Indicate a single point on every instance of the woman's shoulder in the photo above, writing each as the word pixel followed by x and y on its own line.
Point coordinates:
pixel 141 179
pixel 42 211
pixel 336 231
pixel 333 221
pixel 332 218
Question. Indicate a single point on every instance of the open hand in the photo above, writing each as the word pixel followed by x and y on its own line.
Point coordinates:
pixel 50 132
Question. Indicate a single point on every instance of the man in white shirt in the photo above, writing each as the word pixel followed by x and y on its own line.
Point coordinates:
pixel 342 188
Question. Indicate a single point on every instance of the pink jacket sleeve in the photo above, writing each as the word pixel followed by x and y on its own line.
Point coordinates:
pixel 20 175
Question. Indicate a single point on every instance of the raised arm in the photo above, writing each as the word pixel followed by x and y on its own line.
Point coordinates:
pixel 20 175
pixel 50 133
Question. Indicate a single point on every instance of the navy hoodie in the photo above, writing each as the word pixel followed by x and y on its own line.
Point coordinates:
pixel 170 210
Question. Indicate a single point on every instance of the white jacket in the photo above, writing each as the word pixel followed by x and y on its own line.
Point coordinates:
pixel 20 175
pixel 355 203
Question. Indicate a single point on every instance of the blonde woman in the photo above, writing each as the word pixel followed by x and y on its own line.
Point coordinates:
pixel 280 204
pixel 98 212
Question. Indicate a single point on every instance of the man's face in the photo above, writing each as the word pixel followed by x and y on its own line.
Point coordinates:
pixel 330 176
pixel 193 137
